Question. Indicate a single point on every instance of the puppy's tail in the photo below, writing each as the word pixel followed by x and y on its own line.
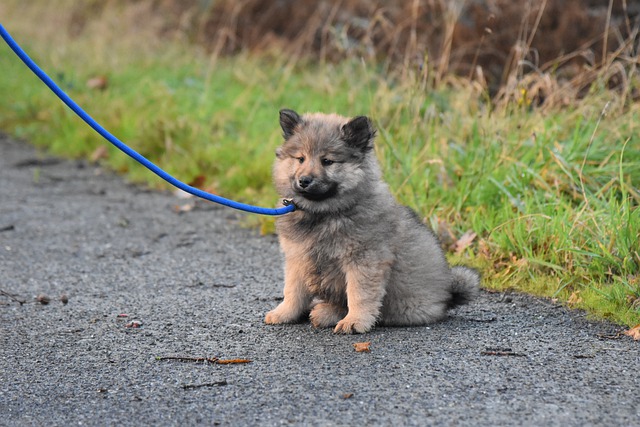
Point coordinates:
pixel 465 285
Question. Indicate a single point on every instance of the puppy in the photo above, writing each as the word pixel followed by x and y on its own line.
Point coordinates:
pixel 354 257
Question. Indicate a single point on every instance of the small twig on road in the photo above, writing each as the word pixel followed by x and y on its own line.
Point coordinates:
pixel 232 361
pixel 212 360
pixel 12 297
pixel 213 384
pixel 617 336
pixel 500 352
pixel 584 356
pixel 487 320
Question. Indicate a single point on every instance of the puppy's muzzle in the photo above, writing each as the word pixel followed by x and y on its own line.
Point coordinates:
pixel 305 181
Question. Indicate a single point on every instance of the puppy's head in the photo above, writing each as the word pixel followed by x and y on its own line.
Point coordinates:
pixel 325 160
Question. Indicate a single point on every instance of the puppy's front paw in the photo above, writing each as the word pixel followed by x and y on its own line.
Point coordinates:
pixel 282 314
pixel 354 325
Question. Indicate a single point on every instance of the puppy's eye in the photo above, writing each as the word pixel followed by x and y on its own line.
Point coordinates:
pixel 327 162
pixel 300 159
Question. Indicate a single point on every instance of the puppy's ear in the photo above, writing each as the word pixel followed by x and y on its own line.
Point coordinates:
pixel 359 132
pixel 289 119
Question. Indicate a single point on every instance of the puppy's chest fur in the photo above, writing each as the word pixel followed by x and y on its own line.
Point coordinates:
pixel 324 247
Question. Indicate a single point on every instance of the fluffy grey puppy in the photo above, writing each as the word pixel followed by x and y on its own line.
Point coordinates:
pixel 354 257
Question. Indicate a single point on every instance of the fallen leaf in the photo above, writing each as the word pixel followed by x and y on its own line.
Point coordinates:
pixel 347 395
pixel 634 332
pixel 98 82
pixel 574 298
pixel 99 153
pixel 198 181
pixel 362 347
pixel 187 207
pixel 465 241
pixel 483 249
pixel 446 236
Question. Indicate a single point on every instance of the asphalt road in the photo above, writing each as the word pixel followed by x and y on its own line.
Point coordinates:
pixel 197 284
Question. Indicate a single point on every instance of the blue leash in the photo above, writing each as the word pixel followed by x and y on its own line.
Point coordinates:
pixel 126 149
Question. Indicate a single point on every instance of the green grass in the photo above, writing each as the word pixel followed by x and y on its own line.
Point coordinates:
pixel 551 193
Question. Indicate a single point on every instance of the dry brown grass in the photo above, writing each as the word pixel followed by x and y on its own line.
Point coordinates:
pixel 532 51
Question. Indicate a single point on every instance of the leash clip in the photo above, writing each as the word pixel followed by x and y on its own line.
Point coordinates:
pixel 289 202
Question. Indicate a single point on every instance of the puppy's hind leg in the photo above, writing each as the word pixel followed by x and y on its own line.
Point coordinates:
pixel 326 314
pixel 297 298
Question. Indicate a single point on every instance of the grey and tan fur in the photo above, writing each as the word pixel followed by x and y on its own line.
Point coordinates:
pixel 354 257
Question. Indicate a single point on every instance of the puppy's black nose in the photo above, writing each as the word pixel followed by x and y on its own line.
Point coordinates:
pixel 305 181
